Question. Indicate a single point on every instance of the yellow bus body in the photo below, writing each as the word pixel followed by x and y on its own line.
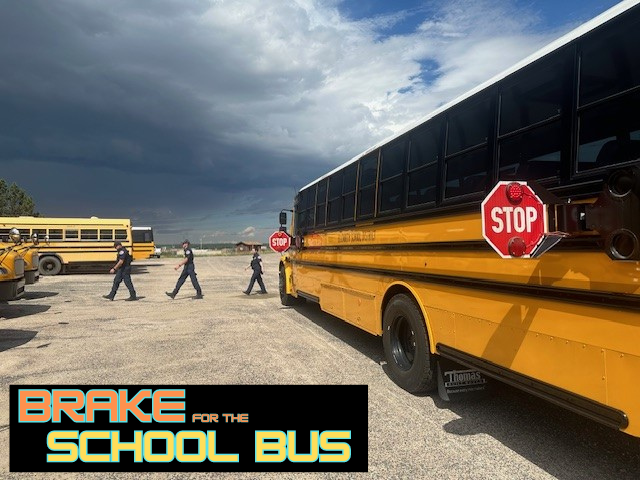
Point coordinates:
pixel 31 257
pixel 539 328
pixel 72 244
pixel 11 273
pixel 143 245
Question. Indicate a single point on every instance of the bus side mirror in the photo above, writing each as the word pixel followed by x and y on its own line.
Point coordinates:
pixel 283 221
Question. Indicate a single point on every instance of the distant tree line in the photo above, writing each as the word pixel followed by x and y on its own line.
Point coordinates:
pixel 14 201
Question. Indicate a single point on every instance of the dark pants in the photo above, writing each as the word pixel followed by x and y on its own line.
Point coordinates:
pixel 256 277
pixel 123 273
pixel 189 270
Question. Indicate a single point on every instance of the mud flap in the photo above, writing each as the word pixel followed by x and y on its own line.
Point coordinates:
pixel 456 382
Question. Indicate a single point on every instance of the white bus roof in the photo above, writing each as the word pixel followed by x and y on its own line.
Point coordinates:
pixel 556 44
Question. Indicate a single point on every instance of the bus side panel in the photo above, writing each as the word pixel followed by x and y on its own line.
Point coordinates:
pixel 586 350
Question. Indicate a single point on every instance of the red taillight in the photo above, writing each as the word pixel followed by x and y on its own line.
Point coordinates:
pixel 514 193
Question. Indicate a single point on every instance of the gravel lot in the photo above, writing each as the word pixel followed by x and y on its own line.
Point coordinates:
pixel 64 332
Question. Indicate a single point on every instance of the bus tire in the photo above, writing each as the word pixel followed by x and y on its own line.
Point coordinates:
pixel 406 346
pixel 285 299
pixel 50 265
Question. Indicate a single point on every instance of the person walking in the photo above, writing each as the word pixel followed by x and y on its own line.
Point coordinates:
pixel 256 265
pixel 122 269
pixel 189 270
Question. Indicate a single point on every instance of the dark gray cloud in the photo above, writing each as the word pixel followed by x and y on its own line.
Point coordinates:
pixel 205 116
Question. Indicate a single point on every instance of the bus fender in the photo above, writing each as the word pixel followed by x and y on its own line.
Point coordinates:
pixel 398 287
pixel 285 263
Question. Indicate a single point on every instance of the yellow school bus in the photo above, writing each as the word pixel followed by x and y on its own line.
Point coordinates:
pixel 392 240
pixel 72 244
pixel 143 245
pixel 11 272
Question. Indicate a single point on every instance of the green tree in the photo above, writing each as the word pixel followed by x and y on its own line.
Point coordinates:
pixel 14 201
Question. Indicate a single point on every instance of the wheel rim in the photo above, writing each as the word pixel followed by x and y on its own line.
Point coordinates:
pixel 403 343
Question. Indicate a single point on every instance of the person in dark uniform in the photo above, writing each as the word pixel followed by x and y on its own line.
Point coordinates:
pixel 256 266
pixel 122 269
pixel 189 270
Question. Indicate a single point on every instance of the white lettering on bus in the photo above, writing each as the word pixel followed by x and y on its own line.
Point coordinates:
pixel 508 219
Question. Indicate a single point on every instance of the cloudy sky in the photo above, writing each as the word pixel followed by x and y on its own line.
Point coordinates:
pixel 202 118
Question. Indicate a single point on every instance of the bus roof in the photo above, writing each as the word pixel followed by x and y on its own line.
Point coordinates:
pixel 35 221
pixel 556 44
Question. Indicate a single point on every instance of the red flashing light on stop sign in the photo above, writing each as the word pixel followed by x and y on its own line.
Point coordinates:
pixel 514 193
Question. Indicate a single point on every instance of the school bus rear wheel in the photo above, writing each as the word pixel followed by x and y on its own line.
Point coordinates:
pixel 406 346
pixel 50 265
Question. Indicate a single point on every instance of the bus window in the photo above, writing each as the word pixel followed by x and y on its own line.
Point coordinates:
pixel 609 133
pixel 609 62
pixel 423 166
pixel 335 198
pixel 534 154
pixel 392 160
pixel 469 126
pixel 367 186
pixel 71 234
pixel 55 234
pixel 89 234
pixel 106 235
pixel 349 191
pixel 321 200
pixel 121 234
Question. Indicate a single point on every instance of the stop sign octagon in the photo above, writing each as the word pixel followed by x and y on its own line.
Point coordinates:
pixel 514 220
pixel 279 241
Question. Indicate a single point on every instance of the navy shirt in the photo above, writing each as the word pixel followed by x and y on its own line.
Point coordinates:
pixel 123 254
pixel 188 253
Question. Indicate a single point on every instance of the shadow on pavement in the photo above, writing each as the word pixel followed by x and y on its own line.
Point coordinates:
pixel 38 295
pixel 14 338
pixel 13 310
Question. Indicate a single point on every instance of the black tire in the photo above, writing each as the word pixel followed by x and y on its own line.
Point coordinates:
pixel 285 299
pixel 50 266
pixel 406 346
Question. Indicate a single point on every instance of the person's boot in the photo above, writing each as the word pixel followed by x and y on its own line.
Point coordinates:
pixel 131 299
pixel 108 297
pixel 171 294
pixel 198 296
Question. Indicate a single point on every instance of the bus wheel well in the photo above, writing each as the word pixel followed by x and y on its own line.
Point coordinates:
pixel 392 292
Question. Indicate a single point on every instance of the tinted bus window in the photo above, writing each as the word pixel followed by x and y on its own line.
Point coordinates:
pixel 423 166
pixel 466 174
pixel 610 133
pixel 335 197
pixel 367 186
pixel 321 203
pixel 121 234
pixel 536 97
pixel 609 62
pixel 532 155
pixel 106 234
pixel 391 176
pixel 71 234
pixel 469 126
pixel 349 191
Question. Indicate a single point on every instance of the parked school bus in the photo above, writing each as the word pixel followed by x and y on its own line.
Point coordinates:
pixel 392 240
pixel 72 244
pixel 11 273
pixel 143 245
